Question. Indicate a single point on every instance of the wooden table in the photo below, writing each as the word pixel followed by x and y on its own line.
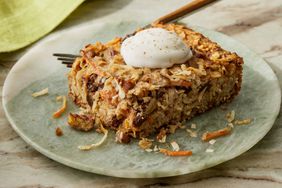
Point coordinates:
pixel 257 24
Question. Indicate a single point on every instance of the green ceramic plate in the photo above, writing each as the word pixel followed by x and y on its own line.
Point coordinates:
pixel 32 117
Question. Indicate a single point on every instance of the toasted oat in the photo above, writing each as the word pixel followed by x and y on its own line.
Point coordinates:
pixel 209 150
pixel 243 122
pixel 192 133
pixel 156 148
pixel 161 137
pixel 115 97
pixel 212 141
pixel 215 74
pixel 181 126
pixel 146 99
pixel 162 106
pixel 40 93
pixel 215 134
pixel 120 91
pixel 59 131
pixel 145 143
pixel 172 128
pixel 148 150
pixel 202 94
pixel 230 116
pixel 193 126
pixel 230 125
pixel 175 146
pixel 81 122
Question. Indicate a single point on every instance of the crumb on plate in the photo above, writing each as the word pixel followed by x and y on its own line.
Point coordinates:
pixel 148 150
pixel 175 146
pixel 215 134
pixel 161 137
pixel 172 128
pixel 59 131
pixel 176 153
pixel 192 133
pixel 212 141
pixel 193 126
pixel 209 150
pixel 230 116
pixel 62 109
pixel 230 125
pixel 243 122
pixel 145 143
pixel 95 145
pixel 40 93
pixel 156 148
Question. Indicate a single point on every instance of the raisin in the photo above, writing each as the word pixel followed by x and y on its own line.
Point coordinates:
pixel 115 122
pixel 91 86
pixel 127 85
pixel 59 131
pixel 122 137
pixel 139 119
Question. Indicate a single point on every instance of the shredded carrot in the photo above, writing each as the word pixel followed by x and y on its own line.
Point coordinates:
pixel 176 153
pixel 215 134
pixel 63 108
pixel 96 70
pixel 107 95
pixel 183 83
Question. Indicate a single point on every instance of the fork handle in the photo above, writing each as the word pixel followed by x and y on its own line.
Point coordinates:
pixel 190 7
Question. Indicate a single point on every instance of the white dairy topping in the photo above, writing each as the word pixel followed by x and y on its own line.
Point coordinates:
pixel 155 48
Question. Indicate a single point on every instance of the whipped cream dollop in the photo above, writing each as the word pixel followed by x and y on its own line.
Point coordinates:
pixel 155 48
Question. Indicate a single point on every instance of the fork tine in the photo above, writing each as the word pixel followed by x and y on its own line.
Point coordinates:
pixel 65 55
pixel 67 62
pixel 65 59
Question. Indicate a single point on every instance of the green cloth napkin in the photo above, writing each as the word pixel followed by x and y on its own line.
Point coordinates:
pixel 25 21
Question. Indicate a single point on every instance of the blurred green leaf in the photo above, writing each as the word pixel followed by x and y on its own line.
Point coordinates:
pixel 25 21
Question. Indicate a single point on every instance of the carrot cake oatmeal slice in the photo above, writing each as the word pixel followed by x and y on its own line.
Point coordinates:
pixel 140 93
